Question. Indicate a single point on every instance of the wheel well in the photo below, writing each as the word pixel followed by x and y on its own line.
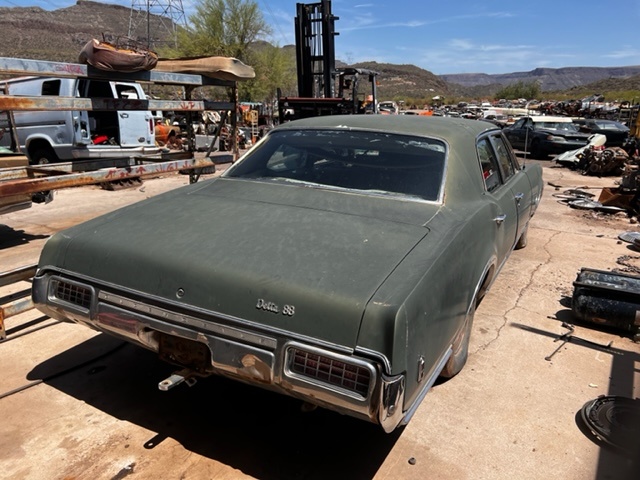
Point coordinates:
pixel 484 286
pixel 41 147
pixel 38 144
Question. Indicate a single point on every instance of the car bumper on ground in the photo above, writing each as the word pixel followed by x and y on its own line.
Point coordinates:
pixel 560 147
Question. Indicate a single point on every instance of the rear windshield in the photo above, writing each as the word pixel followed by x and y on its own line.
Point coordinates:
pixel 373 162
pixel 568 126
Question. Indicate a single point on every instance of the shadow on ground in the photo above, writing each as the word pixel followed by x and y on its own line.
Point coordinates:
pixel 262 434
pixel 12 238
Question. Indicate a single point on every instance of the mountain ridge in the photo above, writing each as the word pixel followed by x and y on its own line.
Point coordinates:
pixel 59 35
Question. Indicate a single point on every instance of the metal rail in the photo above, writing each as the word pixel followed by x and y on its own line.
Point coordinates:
pixel 23 180
pixel 42 178
pixel 23 66
pixel 20 305
pixel 33 103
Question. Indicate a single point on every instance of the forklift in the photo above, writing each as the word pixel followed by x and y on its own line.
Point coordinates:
pixel 324 89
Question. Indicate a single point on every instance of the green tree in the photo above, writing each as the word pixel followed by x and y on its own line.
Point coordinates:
pixel 235 28
pixel 519 89
pixel 222 27
pixel 275 68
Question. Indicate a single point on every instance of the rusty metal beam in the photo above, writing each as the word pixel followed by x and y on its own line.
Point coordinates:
pixel 17 275
pixel 32 185
pixel 17 306
pixel 75 166
pixel 11 309
pixel 23 66
pixel 52 103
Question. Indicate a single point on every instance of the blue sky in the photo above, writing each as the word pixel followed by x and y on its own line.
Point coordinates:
pixel 462 36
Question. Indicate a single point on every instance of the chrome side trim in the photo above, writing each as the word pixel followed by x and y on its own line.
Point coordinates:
pixel 427 386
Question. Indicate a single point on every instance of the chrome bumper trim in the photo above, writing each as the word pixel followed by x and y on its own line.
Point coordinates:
pixel 253 357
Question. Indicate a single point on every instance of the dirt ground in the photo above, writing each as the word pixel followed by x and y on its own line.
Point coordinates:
pixel 80 405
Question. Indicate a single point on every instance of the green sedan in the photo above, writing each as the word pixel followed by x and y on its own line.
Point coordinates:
pixel 340 261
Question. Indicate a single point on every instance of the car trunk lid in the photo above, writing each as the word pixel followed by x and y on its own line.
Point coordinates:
pixel 294 261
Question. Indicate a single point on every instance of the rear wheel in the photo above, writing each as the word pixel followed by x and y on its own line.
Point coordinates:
pixel 42 156
pixel 522 241
pixel 535 150
pixel 460 347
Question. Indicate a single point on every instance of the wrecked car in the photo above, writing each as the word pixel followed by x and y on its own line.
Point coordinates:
pixel 543 135
pixel 340 261
pixel 615 132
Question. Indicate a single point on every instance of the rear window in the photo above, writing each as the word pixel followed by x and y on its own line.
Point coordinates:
pixel 372 162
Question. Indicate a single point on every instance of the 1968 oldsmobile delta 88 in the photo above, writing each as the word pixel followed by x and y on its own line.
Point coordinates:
pixel 340 261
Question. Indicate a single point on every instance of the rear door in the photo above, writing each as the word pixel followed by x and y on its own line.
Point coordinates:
pixel 136 126
pixel 515 179
pixel 517 134
pixel 497 185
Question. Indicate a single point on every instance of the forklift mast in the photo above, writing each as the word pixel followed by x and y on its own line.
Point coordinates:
pixel 323 89
pixel 315 49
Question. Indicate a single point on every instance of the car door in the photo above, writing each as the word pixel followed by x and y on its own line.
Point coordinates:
pixel 504 213
pixel 517 135
pixel 136 126
pixel 516 179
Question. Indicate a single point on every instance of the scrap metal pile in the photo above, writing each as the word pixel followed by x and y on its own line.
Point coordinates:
pixel 598 160
pixel 593 106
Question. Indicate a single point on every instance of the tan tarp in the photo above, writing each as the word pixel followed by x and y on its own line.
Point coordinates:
pixel 222 68
pixel 106 56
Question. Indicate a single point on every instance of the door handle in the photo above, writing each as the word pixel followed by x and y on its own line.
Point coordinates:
pixel 519 197
pixel 500 219
pixel 124 115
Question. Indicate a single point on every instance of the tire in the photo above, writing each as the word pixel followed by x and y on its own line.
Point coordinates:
pixel 43 156
pixel 522 241
pixel 535 149
pixel 460 347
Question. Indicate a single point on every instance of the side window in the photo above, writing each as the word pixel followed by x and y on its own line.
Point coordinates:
pixel 51 87
pixel 285 159
pixel 504 157
pixel 489 165
pixel 126 91
pixel 519 123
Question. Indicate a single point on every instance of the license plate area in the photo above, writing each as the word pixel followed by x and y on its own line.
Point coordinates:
pixel 184 352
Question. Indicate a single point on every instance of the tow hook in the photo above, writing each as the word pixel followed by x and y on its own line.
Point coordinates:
pixel 186 376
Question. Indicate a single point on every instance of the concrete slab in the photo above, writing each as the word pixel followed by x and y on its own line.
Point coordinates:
pixel 78 404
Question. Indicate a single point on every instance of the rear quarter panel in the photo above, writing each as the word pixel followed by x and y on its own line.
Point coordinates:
pixel 420 307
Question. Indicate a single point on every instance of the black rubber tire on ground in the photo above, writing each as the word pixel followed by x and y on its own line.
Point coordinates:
pixel 42 156
pixel 535 149
pixel 522 241
pixel 460 347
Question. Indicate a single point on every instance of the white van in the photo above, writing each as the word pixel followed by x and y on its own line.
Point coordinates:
pixel 54 136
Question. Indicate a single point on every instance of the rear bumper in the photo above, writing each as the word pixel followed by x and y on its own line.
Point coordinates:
pixel 208 343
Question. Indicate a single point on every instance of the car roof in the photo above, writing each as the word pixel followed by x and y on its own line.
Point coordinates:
pixel 447 128
pixel 548 118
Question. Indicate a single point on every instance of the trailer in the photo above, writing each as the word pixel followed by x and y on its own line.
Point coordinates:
pixel 22 184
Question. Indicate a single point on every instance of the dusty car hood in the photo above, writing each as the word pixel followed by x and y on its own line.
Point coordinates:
pixel 247 250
